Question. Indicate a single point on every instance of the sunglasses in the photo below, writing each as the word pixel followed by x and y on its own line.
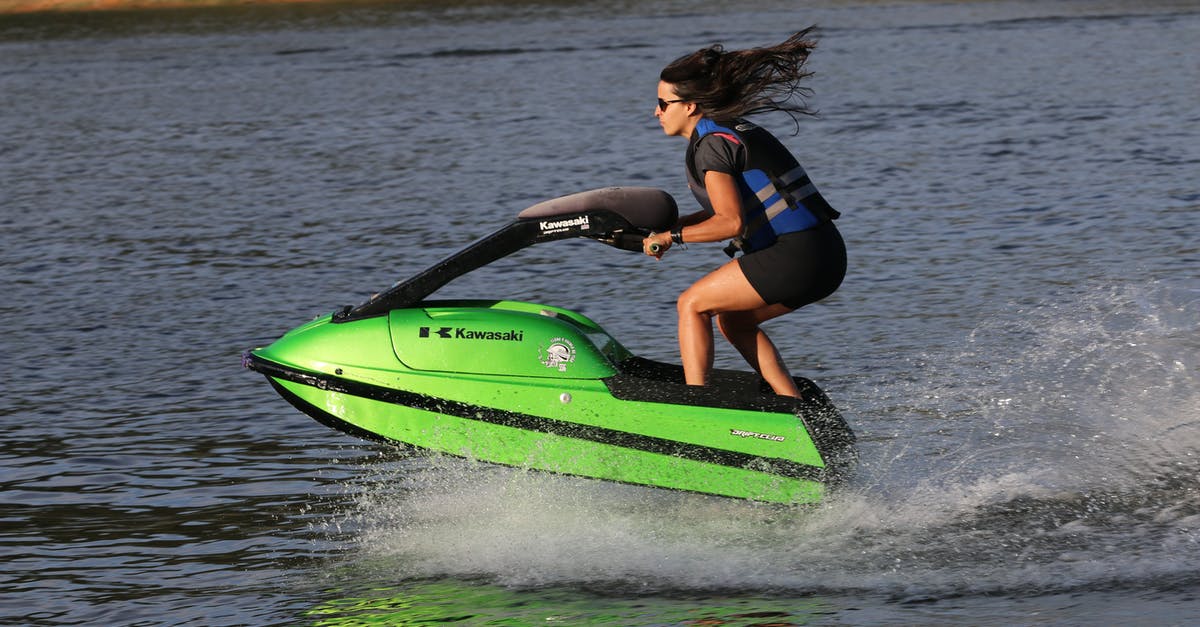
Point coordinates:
pixel 662 104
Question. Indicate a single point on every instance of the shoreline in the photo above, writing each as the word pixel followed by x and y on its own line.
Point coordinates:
pixel 27 7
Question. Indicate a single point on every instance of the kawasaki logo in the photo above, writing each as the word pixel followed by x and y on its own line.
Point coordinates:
pixel 460 333
pixel 555 226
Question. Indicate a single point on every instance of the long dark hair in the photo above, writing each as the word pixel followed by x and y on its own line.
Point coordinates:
pixel 733 84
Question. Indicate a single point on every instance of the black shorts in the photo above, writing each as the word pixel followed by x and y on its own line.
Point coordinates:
pixel 799 268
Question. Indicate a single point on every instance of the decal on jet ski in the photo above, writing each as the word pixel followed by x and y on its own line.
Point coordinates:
pixel 762 436
pixel 558 354
pixel 558 226
pixel 462 333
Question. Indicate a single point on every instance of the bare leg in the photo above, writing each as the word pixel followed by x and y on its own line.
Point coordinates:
pixel 742 330
pixel 722 291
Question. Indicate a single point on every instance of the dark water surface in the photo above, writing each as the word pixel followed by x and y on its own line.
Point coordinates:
pixel 1017 342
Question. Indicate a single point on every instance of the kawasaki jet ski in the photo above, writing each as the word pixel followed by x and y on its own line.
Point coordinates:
pixel 541 387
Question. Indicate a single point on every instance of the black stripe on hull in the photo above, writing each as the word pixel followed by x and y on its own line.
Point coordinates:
pixel 693 452
pixel 333 422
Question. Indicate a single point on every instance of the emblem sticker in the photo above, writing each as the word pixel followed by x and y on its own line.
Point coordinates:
pixel 548 227
pixel 558 354
pixel 753 434
pixel 463 333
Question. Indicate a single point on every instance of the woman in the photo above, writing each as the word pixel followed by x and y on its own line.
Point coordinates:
pixel 753 190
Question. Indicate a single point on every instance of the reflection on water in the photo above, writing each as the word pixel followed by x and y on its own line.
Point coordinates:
pixel 1015 344
pixel 430 602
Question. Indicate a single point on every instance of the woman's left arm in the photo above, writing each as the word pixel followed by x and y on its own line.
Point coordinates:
pixel 727 218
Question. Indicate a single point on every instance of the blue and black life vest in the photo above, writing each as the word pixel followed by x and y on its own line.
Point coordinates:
pixel 777 195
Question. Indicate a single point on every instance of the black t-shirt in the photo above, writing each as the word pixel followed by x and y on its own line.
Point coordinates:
pixel 720 153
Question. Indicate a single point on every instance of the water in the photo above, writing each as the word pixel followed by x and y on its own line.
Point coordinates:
pixel 1016 343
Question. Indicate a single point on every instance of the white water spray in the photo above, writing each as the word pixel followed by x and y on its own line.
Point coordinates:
pixel 1057 451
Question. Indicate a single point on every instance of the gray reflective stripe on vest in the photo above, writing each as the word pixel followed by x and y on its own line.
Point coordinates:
pixel 776 207
pixel 787 197
pixel 792 177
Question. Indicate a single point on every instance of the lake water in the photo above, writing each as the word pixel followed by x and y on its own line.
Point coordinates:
pixel 1017 342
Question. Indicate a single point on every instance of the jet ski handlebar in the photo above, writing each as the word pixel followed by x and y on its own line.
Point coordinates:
pixel 645 208
pixel 617 216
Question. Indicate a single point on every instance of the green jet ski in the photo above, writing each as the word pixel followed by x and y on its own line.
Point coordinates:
pixel 545 388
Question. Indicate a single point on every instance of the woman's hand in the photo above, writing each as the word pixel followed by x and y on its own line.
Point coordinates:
pixel 656 244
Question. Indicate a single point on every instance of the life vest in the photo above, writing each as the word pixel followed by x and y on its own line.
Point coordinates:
pixel 777 195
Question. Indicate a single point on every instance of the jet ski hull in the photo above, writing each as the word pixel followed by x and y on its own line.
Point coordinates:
pixel 483 380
